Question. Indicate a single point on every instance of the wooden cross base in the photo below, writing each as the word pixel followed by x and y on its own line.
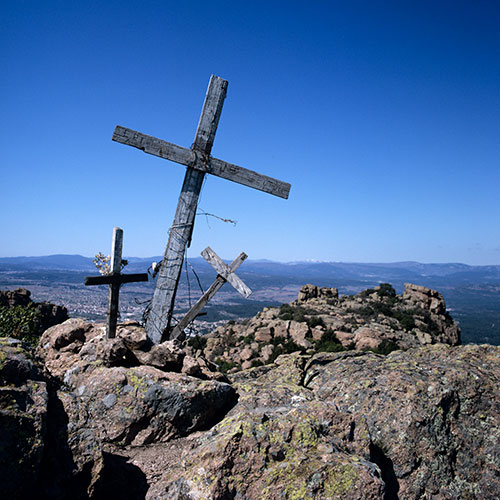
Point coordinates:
pixel 225 273
pixel 114 280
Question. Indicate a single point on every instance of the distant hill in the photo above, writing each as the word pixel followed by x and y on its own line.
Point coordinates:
pixel 324 270
pixel 472 293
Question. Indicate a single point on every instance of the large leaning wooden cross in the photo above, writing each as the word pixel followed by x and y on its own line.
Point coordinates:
pixel 199 162
pixel 114 280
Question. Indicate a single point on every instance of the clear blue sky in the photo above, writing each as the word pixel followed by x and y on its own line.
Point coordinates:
pixel 384 117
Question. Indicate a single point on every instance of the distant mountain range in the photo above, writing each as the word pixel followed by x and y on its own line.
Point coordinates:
pixel 472 293
pixel 455 272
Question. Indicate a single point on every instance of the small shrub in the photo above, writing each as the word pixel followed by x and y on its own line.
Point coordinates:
pixel 20 323
pixel 329 343
pixel 331 347
pixel 386 290
pixel 224 366
pixel 296 313
pixel 247 339
pixel 197 342
pixel 448 319
pixel 385 347
pixel 406 319
pixel 315 321
pixel 383 308
pixel 257 362
pixel 366 312
pixel 284 348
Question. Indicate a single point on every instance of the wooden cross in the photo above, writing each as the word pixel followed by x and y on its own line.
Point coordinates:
pixel 199 162
pixel 114 280
pixel 225 273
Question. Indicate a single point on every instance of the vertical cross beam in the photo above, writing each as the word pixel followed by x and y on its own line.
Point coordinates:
pixel 114 287
pixel 162 305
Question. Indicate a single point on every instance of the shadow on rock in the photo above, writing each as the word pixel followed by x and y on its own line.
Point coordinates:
pixel 386 466
pixel 120 479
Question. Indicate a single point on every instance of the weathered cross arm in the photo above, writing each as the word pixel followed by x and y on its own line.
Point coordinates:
pixel 198 161
pixel 115 279
pixel 225 273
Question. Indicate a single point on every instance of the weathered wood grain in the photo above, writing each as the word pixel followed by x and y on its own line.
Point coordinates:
pixel 248 178
pixel 189 158
pixel 162 305
pixel 154 146
pixel 224 270
pixel 114 288
pixel 178 331
pixel 210 115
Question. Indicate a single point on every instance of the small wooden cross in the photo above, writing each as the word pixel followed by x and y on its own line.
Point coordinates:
pixel 114 280
pixel 199 162
pixel 225 273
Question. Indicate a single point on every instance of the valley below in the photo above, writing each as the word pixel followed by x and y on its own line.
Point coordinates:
pixel 472 293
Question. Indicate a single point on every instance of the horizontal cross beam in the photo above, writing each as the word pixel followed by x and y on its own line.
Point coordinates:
pixel 199 161
pixel 115 279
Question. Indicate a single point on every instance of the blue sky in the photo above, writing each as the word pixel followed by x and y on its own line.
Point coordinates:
pixel 384 117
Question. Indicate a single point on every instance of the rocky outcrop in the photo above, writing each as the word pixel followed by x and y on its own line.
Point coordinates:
pixel 44 314
pixel 63 421
pixel 79 345
pixel 109 418
pixel 308 292
pixel 421 423
pixel 23 414
pixel 376 319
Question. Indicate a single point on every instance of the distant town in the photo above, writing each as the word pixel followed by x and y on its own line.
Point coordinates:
pixel 472 293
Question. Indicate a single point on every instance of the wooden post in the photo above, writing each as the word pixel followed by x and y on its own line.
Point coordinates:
pixel 114 279
pixel 199 162
pixel 225 273
pixel 114 288
pixel 162 306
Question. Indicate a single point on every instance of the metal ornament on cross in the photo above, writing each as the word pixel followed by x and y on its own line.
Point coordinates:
pixel 198 162
pixel 114 280
pixel 225 274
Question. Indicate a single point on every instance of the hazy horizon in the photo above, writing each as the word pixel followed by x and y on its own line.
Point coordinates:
pixel 309 261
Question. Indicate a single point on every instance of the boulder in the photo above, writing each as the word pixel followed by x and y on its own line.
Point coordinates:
pixel 298 333
pixel 167 356
pixel 23 415
pixel 308 292
pixel 13 298
pixel 201 368
pixel 264 335
pixel 425 298
pixel 432 414
pixel 422 423
pixel 140 405
pixel 366 338
pixel 281 329
pixel 345 338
